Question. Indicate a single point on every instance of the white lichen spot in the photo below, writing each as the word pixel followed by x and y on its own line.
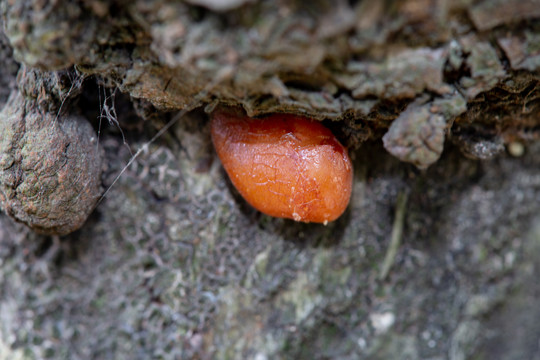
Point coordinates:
pixel 261 356
pixel 362 343
pixel 382 322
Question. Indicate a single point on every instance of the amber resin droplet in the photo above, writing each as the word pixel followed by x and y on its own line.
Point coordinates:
pixel 284 165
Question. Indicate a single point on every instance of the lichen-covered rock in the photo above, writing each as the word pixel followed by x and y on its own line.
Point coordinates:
pixel 50 167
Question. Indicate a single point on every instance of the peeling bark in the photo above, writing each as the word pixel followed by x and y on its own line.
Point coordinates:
pixel 174 264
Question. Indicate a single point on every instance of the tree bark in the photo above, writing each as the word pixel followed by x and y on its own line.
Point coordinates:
pixel 435 258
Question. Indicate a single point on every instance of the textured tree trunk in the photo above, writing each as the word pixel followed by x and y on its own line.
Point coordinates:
pixel 436 256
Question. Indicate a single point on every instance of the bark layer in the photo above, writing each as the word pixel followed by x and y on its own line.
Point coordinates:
pixel 174 264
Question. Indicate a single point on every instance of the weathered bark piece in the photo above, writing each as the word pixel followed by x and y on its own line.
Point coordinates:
pixel 488 14
pixel 523 50
pixel 486 70
pixel 403 75
pixel 175 265
pixel 326 60
pixel 50 163
pixel 362 63
pixel 417 135
pixel 52 35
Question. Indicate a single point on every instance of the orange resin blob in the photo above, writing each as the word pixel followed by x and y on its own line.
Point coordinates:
pixel 284 165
